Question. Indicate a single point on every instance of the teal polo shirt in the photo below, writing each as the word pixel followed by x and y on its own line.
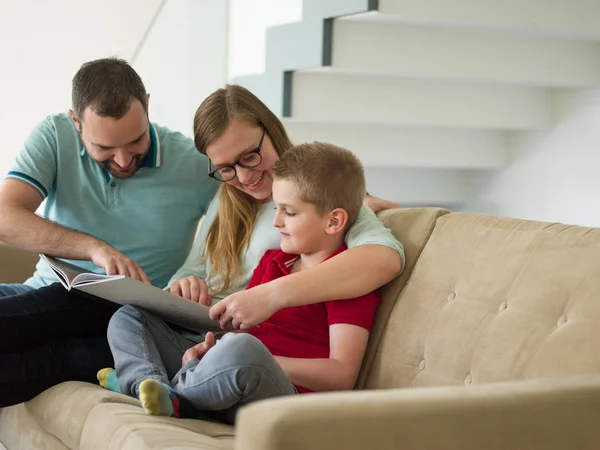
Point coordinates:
pixel 150 217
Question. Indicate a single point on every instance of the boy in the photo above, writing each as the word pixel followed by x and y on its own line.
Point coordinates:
pixel 318 191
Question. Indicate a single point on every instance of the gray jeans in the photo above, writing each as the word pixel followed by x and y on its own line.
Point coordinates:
pixel 13 289
pixel 238 370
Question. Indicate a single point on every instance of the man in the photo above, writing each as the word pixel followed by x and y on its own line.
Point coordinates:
pixel 121 194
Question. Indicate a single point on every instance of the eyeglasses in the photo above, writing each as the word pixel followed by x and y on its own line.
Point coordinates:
pixel 248 161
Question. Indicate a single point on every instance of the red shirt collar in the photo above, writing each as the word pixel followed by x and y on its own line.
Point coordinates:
pixel 285 261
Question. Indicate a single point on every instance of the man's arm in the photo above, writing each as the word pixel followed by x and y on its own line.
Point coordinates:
pixel 21 227
pixel 347 345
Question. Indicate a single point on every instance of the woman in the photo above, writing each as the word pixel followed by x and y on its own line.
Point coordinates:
pixel 243 139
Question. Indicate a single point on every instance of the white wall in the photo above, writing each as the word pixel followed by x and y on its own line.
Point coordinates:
pixel 43 43
pixel 184 59
pixel 555 175
pixel 249 20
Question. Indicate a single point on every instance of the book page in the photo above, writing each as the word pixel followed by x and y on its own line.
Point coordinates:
pixel 170 307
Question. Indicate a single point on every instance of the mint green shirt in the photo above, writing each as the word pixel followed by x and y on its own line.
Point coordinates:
pixel 367 229
pixel 150 217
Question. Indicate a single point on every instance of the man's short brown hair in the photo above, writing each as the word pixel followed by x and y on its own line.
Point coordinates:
pixel 108 86
pixel 327 176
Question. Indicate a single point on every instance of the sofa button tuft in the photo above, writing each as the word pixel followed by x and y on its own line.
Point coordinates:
pixel 561 321
pixel 468 380
pixel 452 296
pixel 502 307
pixel 422 365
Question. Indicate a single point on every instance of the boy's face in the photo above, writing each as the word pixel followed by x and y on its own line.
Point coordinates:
pixel 302 229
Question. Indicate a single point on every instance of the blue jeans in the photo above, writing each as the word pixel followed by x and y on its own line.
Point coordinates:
pixel 50 335
pixel 14 289
pixel 238 370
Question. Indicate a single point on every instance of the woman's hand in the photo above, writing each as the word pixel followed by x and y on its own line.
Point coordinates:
pixel 199 350
pixel 378 204
pixel 192 288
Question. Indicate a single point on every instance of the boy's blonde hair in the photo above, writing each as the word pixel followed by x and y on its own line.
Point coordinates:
pixel 326 175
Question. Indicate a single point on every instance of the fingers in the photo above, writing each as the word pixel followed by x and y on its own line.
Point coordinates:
pixel 185 288
pixel 176 288
pixel 218 309
pixel 203 295
pixel 210 339
pixel 224 319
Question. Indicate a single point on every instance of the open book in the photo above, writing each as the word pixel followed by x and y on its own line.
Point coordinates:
pixel 127 291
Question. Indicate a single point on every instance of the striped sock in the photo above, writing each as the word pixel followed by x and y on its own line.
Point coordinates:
pixel 108 379
pixel 158 399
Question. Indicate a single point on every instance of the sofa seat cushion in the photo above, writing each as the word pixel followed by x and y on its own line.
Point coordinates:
pixel 111 426
pixel 64 409
pixel 18 430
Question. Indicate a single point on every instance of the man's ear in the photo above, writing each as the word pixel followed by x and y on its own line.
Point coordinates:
pixel 338 218
pixel 75 121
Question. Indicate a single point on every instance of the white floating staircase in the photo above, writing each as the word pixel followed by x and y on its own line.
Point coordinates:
pixel 424 90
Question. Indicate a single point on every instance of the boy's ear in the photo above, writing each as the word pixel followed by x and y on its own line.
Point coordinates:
pixel 338 218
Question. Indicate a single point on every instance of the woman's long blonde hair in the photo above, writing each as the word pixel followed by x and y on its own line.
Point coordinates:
pixel 229 234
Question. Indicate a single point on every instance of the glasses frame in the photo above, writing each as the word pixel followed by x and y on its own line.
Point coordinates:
pixel 212 171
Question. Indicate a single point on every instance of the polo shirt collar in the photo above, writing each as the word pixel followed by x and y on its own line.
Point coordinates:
pixel 285 261
pixel 153 158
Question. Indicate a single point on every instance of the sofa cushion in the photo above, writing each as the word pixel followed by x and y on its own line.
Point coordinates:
pixel 63 410
pixel 412 227
pixel 494 299
pixel 113 426
pixel 20 431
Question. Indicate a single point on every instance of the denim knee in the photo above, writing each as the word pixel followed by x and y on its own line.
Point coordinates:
pixel 243 347
pixel 123 319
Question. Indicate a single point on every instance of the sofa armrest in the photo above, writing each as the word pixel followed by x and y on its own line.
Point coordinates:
pixel 524 415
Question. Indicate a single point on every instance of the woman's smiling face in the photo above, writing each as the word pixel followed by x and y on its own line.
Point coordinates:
pixel 239 139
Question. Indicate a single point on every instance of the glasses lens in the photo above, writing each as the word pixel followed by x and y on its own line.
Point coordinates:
pixel 250 160
pixel 225 174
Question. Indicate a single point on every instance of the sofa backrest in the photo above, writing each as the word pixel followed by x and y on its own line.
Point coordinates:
pixel 412 227
pixel 493 299
pixel 16 265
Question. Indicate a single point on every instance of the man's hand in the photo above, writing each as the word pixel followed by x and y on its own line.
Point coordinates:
pixel 244 309
pixel 116 263
pixel 378 204
pixel 199 350
pixel 192 288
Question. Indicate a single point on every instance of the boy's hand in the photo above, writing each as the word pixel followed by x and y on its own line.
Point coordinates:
pixel 192 288
pixel 199 350
pixel 244 309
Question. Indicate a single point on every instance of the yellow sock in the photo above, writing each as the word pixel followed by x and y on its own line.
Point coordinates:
pixel 158 399
pixel 108 379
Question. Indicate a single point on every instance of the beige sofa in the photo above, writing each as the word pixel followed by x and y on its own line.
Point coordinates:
pixel 489 340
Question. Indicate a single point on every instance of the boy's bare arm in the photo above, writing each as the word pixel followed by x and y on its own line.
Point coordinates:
pixel 347 344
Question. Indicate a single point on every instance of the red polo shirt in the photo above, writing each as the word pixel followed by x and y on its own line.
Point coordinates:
pixel 303 331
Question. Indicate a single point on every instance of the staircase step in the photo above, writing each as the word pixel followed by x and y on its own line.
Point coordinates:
pixel 431 51
pixel 405 146
pixel 326 95
pixel 577 18
pixel 417 187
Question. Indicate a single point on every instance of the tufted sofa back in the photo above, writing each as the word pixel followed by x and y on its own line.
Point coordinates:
pixel 492 299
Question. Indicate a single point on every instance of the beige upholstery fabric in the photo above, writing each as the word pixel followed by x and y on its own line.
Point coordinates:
pixel 17 265
pixel 63 409
pixel 494 299
pixel 18 430
pixel 525 415
pixel 412 226
pixel 119 426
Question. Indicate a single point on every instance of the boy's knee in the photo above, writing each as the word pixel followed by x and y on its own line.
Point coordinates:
pixel 243 346
pixel 123 318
